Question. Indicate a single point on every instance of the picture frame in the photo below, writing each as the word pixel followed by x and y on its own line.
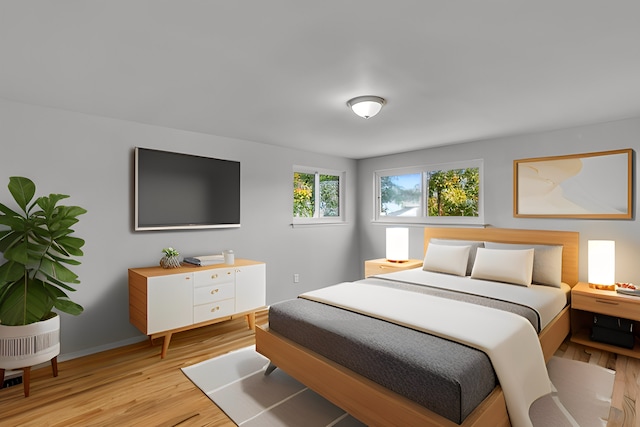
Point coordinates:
pixel 591 185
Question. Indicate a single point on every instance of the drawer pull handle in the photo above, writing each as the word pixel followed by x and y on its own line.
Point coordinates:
pixel 214 276
pixel 606 302
pixel 214 309
pixel 228 273
pixel 214 291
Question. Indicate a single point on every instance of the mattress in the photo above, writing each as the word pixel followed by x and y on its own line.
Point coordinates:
pixel 448 378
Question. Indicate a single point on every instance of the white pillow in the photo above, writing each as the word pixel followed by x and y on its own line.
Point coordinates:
pixel 547 261
pixel 454 242
pixel 446 259
pixel 510 266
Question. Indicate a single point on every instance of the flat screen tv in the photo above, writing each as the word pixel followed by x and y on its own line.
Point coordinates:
pixel 181 191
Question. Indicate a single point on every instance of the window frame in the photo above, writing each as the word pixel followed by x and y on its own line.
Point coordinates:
pixel 340 218
pixel 423 217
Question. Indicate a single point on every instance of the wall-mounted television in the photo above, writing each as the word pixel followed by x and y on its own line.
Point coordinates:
pixel 182 191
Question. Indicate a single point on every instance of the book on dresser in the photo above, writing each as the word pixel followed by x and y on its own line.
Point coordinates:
pixel 203 261
pixel 166 301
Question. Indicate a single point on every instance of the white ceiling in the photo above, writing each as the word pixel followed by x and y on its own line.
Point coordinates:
pixel 280 72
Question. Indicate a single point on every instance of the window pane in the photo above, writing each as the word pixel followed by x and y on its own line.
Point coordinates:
pixel 303 194
pixel 329 195
pixel 453 192
pixel 400 195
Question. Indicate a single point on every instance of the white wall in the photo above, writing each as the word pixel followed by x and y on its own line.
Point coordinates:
pixel 498 155
pixel 91 159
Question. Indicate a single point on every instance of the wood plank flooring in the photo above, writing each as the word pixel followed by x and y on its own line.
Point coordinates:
pixel 132 386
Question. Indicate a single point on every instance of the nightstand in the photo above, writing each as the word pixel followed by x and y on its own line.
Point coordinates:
pixel 586 301
pixel 382 266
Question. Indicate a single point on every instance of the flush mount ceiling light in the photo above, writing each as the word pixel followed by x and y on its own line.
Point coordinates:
pixel 366 106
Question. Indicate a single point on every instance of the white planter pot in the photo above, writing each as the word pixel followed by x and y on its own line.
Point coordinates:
pixel 29 345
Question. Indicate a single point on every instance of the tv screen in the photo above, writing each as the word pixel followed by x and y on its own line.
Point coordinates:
pixel 182 191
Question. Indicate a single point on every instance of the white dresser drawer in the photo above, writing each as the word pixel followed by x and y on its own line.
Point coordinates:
pixel 218 292
pixel 213 277
pixel 213 310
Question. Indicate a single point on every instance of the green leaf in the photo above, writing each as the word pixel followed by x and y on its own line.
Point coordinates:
pixel 68 306
pixel 18 253
pixel 17 222
pixel 63 274
pixel 22 189
pixel 10 272
pixel 9 239
pixel 71 245
pixel 59 284
pixel 22 304
pixel 7 211
pixel 57 274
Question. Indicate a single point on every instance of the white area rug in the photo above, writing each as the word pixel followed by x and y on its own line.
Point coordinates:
pixel 237 384
pixel 584 390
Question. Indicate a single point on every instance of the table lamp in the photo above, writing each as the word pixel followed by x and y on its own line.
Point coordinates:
pixel 602 264
pixel 397 244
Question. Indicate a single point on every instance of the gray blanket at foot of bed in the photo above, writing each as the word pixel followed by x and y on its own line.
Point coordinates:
pixel 448 378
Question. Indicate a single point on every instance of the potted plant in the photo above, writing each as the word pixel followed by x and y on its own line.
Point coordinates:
pixel 37 244
pixel 171 258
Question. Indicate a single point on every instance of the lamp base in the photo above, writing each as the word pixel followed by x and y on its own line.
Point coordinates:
pixel 399 261
pixel 603 287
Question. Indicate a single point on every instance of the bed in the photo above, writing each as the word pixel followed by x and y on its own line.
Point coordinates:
pixel 377 404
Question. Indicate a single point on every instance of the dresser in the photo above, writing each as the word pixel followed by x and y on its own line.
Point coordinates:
pixel 165 301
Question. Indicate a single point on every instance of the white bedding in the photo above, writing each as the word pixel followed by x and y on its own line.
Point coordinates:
pixel 546 300
pixel 508 339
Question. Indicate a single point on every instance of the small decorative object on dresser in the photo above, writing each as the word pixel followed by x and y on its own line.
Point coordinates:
pixel 170 259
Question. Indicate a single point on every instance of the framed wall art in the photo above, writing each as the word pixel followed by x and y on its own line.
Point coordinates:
pixel 591 185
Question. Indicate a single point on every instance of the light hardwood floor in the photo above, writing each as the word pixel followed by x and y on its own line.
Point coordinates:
pixel 132 386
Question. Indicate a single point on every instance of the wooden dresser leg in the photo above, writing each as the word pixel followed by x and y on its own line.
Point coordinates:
pixel 54 366
pixel 26 380
pixel 165 345
pixel 1 377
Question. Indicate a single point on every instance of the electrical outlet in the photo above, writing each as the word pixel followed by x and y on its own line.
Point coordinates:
pixel 296 278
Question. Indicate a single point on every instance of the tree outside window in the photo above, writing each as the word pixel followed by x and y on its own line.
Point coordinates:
pixel 317 195
pixel 453 192
pixel 438 193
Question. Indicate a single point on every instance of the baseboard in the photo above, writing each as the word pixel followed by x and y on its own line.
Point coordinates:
pixel 62 357
pixel 89 351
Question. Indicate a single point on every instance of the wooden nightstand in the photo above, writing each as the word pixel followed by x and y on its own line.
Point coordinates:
pixel 382 266
pixel 586 301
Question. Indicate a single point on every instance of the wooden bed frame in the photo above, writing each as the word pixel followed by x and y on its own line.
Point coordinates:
pixel 375 405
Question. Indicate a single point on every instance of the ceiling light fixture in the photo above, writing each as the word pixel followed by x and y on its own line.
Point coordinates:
pixel 366 106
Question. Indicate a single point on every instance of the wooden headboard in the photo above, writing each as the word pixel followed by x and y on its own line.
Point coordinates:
pixel 570 240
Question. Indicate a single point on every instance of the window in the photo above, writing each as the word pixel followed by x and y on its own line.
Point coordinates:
pixel 445 193
pixel 317 196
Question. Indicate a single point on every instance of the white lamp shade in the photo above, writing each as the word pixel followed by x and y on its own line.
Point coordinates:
pixel 366 109
pixel 602 262
pixel 366 106
pixel 397 244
